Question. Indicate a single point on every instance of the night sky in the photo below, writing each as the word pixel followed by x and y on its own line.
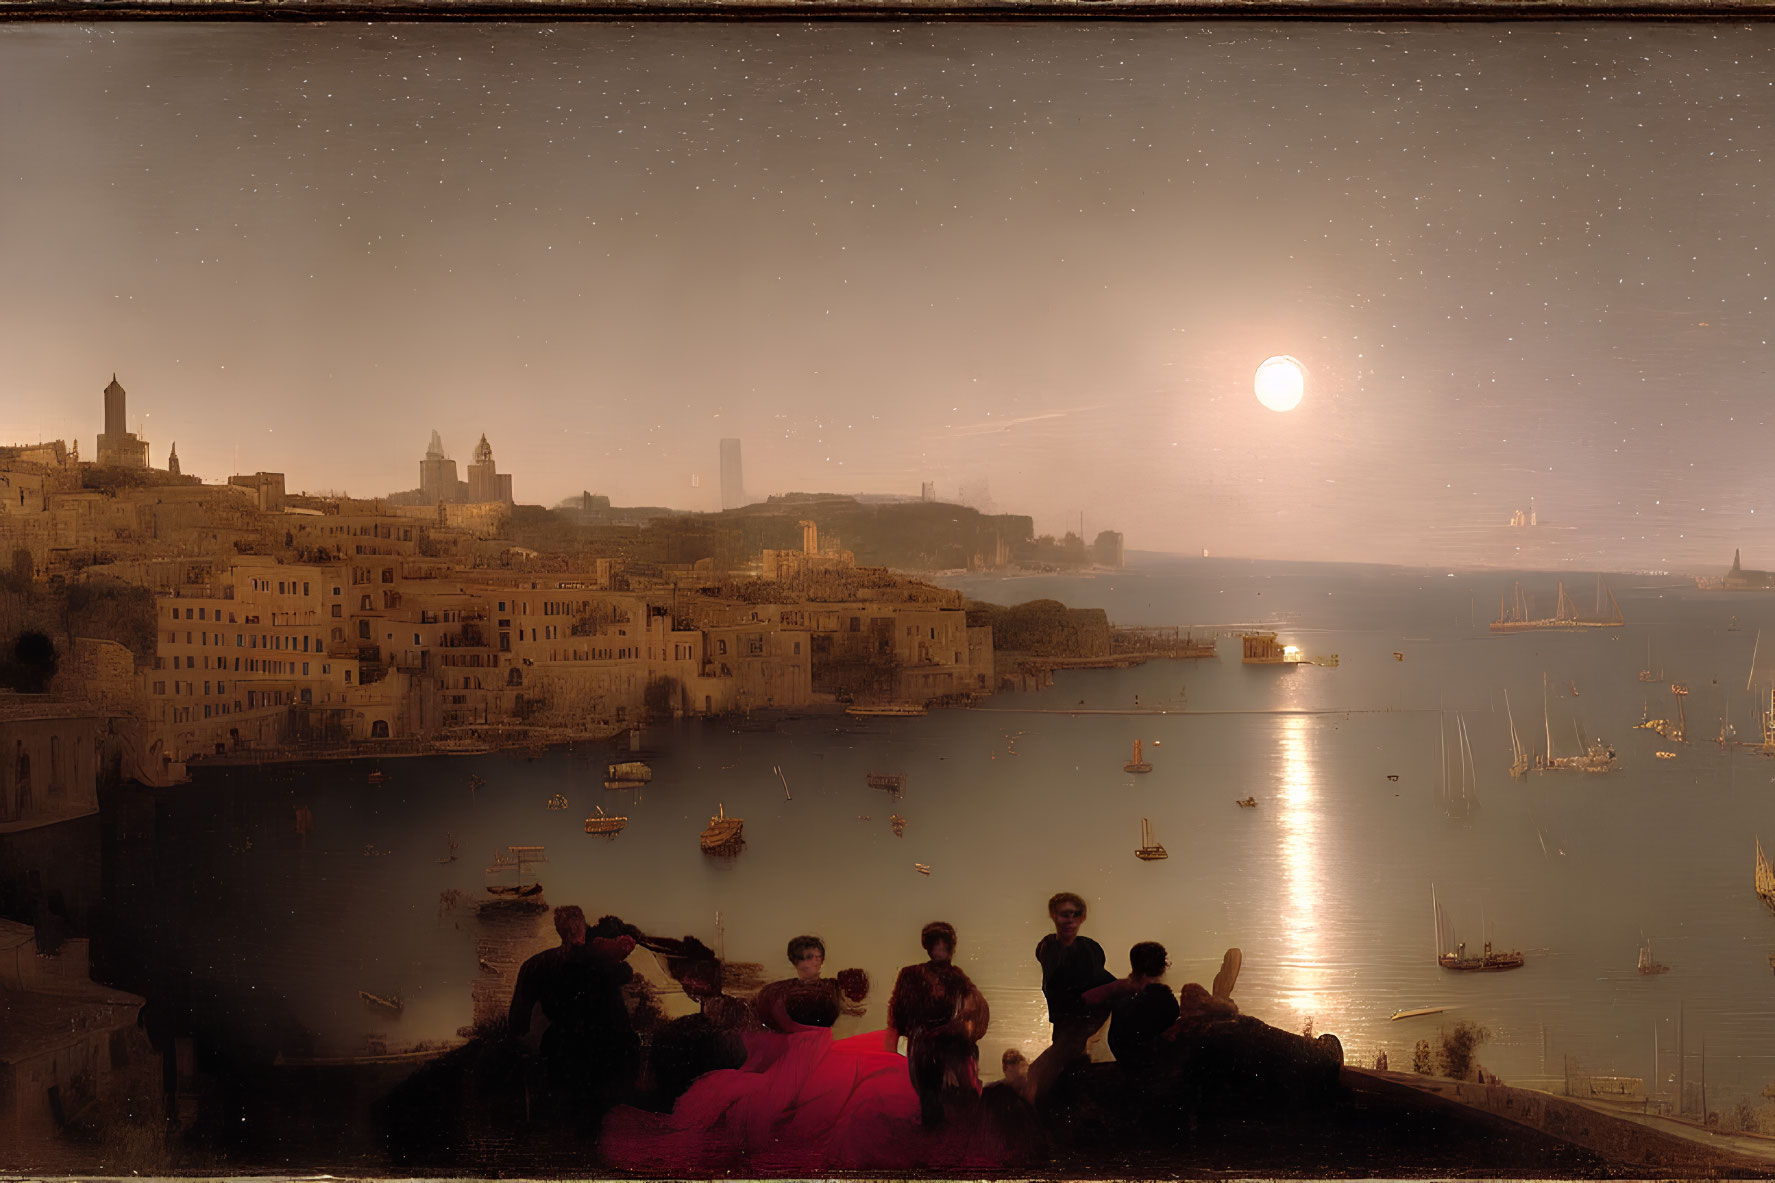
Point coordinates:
pixel 1516 260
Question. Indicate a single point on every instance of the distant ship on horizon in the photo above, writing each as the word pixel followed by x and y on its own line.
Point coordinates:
pixel 1513 616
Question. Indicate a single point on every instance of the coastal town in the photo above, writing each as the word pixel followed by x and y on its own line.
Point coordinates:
pixel 215 622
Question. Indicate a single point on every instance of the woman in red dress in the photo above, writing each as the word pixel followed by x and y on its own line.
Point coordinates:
pixel 802 1103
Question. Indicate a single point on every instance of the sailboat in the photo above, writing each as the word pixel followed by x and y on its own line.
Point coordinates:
pixel 1765 879
pixel 1646 675
pixel 1647 963
pixel 1487 962
pixel 604 823
pixel 515 864
pixel 1519 761
pixel 1137 764
pixel 1513 616
pixel 723 834
pixel 1464 802
pixel 1149 848
pixel 1597 757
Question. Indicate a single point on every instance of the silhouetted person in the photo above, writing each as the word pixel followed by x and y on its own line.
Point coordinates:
pixel 943 1016
pixel 590 1046
pixel 1071 965
pixel 687 1047
pixel 808 999
pixel 1142 1008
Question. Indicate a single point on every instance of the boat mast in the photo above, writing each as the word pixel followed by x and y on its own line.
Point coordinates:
pixel 1515 743
pixel 1546 720
pixel 1436 916
pixel 1469 771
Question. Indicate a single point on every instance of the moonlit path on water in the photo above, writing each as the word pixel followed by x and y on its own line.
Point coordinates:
pixel 1325 886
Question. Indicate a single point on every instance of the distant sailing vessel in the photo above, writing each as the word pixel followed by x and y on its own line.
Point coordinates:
pixel 631 774
pixel 514 865
pixel 1597 757
pixel 1646 675
pixel 1149 847
pixel 1137 764
pixel 1467 799
pixel 603 823
pixel 1513 616
pixel 1519 760
pixel 723 833
pixel 557 802
pixel 378 777
pixel 893 782
pixel 1765 878
pixel 1488 961
pixel 1246 802
pixel 1647 963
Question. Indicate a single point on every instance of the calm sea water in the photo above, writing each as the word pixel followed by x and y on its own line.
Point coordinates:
pixel 1326 885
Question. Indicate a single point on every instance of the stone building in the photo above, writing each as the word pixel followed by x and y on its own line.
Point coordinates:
pixel 267 489
pixel 67 1045
pixel 486 482
pixel 437 476
pixel 118 446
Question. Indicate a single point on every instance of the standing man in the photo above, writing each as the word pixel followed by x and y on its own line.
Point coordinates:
pixel 1071 965
pixel 590 1047
pixel 943 1016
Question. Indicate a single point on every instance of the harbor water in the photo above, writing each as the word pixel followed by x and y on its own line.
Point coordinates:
pixel 1326 885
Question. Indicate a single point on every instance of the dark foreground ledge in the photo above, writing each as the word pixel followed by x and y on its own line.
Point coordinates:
pixel 1236 1097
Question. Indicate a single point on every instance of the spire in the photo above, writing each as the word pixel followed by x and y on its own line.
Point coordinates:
pixel 1735 565
pixel 172 460
pixel 436 447
pixel 483 451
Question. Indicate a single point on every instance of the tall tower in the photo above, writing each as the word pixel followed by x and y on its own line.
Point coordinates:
pixel 437 474
pixel 733 484
pixel 485 481
pixel 172 460
pixel 119 446
pixel 116 422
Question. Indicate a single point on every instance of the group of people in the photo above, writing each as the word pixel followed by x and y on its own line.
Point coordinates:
pixel 767 1080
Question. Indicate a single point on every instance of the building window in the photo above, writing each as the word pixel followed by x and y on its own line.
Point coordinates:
pixel 305 587
pixel 363 630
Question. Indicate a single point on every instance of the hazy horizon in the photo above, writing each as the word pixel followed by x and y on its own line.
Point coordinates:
pixel 1520 263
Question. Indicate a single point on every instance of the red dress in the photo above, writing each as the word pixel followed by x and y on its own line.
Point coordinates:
pixel 803 1103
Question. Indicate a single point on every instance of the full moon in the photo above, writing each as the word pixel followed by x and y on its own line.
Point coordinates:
pixel 1279 383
